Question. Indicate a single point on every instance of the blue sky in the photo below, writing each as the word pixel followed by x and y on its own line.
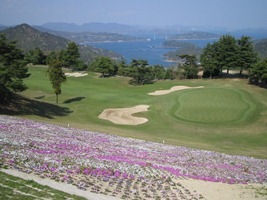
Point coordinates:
pixel 221 13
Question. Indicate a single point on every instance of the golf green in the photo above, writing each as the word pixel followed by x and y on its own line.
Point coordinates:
pixel 213 106
pixel 226 115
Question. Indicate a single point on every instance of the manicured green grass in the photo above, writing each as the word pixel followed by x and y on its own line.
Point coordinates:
pixel 213 106
pixel 12 187
pixel 227 115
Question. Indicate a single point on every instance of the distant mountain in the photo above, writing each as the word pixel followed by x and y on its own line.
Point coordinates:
pixel 172 29
pixel 196 35
pixel 259 33
pixel 260 47
pixel 91 27
pixel 3 27
pixel 181 48
pixel 91 37
pixel 28 38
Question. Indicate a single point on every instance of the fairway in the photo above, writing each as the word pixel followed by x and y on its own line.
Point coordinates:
pixel 213 106
pixel 226 115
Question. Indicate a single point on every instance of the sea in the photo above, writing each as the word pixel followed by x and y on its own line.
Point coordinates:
pixel 149 48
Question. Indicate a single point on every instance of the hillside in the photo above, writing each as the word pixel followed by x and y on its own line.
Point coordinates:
pixel 2 27
pixel 196 35
pixel 90 27
pixel 181 48
pixel 28 38
pixel 91 37
pixel 260 47
pixel 115 166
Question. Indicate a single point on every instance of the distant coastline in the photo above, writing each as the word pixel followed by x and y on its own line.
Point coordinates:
pixel 215 38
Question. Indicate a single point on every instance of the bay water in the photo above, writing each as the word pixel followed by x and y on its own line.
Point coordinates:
pixel 149 49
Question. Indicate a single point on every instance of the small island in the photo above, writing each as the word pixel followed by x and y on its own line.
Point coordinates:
pixel 196 35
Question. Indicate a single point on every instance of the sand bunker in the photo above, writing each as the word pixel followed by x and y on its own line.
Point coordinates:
pixel 173 89
pixel 76 74
pixel 124 115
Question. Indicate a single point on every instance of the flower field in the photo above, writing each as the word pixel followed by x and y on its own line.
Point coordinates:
pixel 116 166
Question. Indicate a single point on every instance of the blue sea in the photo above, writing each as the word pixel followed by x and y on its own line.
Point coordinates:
pixel 150 49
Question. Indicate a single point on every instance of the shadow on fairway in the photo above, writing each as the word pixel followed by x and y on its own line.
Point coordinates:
pixel 76 99
pixel 23 106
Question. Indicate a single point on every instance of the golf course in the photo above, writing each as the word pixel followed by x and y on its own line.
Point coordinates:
pixel 224 115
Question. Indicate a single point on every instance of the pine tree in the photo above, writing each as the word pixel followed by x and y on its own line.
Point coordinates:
pixel 247 55
pixel 12 69
pixel 56 76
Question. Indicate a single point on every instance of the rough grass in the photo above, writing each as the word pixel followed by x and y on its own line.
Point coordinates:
pixel 12 187
pixel 228 115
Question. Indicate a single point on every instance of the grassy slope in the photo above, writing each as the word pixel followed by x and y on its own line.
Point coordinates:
pixel 243 131
pixel 12 187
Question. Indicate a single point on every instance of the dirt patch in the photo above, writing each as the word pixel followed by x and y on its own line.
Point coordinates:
pixel 124 115
pixel 173 89
pixel 224 191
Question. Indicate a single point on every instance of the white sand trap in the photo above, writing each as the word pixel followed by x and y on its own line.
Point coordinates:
pixel 173 89
pixel 124 115
pixel 76 74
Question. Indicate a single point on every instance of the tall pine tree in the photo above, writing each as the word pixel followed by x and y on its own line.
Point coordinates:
pixel 56 76
pixel 247 55
pixel 12 69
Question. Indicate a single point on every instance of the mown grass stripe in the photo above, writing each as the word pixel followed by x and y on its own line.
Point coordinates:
pixel 12 187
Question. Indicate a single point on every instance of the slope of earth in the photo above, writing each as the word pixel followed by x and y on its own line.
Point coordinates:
pixel 126 168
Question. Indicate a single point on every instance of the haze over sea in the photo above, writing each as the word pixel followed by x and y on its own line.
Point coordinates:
pixel 150 49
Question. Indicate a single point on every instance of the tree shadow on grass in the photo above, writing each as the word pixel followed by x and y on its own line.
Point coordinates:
pixel 74 99
pixel 20 105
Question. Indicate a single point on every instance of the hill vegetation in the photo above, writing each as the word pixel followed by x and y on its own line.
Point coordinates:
pixel 196 35
pixel 28 38
pixel 260 47
pixel 91 37
pixel 182 48
pixel 90 27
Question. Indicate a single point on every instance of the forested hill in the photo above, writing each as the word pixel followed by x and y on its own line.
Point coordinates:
pixel 260 46
pixel 28 38
pixel 90 37
pixel 2 27
pixel 196 35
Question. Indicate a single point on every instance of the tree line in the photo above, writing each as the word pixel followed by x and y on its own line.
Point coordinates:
pixel 13 66
pixel 225 54
pixel 139 70
pixel 228 53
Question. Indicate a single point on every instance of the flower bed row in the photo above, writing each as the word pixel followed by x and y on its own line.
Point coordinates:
pixel 51 150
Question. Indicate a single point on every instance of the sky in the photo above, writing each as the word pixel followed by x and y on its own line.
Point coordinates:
pixel 234 14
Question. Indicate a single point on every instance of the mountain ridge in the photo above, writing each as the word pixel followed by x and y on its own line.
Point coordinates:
pixel 257 33
pixel 89 27
pixel 196 35
pixel 28 38
pixel 91 37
